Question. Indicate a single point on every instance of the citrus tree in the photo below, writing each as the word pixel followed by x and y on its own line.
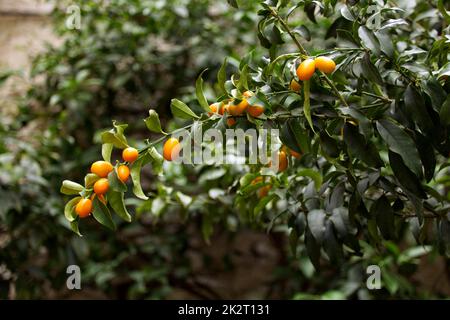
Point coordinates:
pixel 110 68
pixel 364 134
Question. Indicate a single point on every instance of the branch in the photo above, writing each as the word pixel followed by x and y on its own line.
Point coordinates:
pixel 306 54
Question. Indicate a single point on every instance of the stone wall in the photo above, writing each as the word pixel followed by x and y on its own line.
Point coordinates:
pixel 25 29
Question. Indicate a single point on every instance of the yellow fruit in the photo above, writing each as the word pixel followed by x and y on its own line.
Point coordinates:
pixel 123 172
pixel 214 109
pixel 255 111
pixel 101 186
pixel 294 85
pixel 306 69
pixel 171 149
pixel 84 208
pixel 231 121
pixel 282 161
pixel 130 154
pixel 101 168
pixel 238 109
pixel 325 64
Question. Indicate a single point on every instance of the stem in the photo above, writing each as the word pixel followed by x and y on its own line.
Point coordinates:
pixel 289 31
pixel 160 139
pixel 305 53
pixel 376 96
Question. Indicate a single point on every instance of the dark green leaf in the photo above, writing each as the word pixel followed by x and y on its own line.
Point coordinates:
pixel 116 201
pixel 115 183
pixel 360 148
pixel 102 214
pixel 400 142
pixel 370 72
pixel 444 113
pixel 316 224
pixel 384 216
pixel 369 40
pixel 405 176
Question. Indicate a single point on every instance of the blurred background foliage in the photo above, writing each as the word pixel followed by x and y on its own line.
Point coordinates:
pixel 130 56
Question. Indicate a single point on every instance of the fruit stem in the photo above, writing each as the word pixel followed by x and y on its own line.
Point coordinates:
pixel 306 54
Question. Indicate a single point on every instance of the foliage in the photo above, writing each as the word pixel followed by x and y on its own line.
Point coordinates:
pixel 371 186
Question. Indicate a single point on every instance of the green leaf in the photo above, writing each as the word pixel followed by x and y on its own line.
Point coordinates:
pixel 306 104
pixel 115 183
pixel 369 40
pixel 199 92
pixel 415 107
pixel 444 113
pixel 427 156
pixel 70 188
pixel 181 110
pixel 116 202
pixel 117 140
pixel 233 3
pixel 156 160
pixel 303 31
pixel 405 176
pixel 152 122
pixel 313 249
pixel 301 136
pixel 136 175
pixel 329 145
pixel 331 246
pixel 370 72
pixel 183 199
pixel 314 175
pixel 359 148
pixel 243 79
pixel 222 76
pixel 102 214
pixel 69 209
pixel 400 142
pixel 262 203
pixel 106 151
pixel 207 227
pixel 384 217
pixel 74 227
pixel 316 224
pixel 90 179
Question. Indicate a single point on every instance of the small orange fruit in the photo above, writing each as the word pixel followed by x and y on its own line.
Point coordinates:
pixel 263 191
pixel 214 108
pixel 223 108
pixel 84 208
pixel 295 154
pixel 130 154
pixel 238 109
pixel 101 168
pixel 123 172
pixel 247 94
pixel 325 64
pixel 295 86
pixel 255 110
pixel 231 121
pixel 101 186
pixel 171 149
pixel 306 69
pixel 282 161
